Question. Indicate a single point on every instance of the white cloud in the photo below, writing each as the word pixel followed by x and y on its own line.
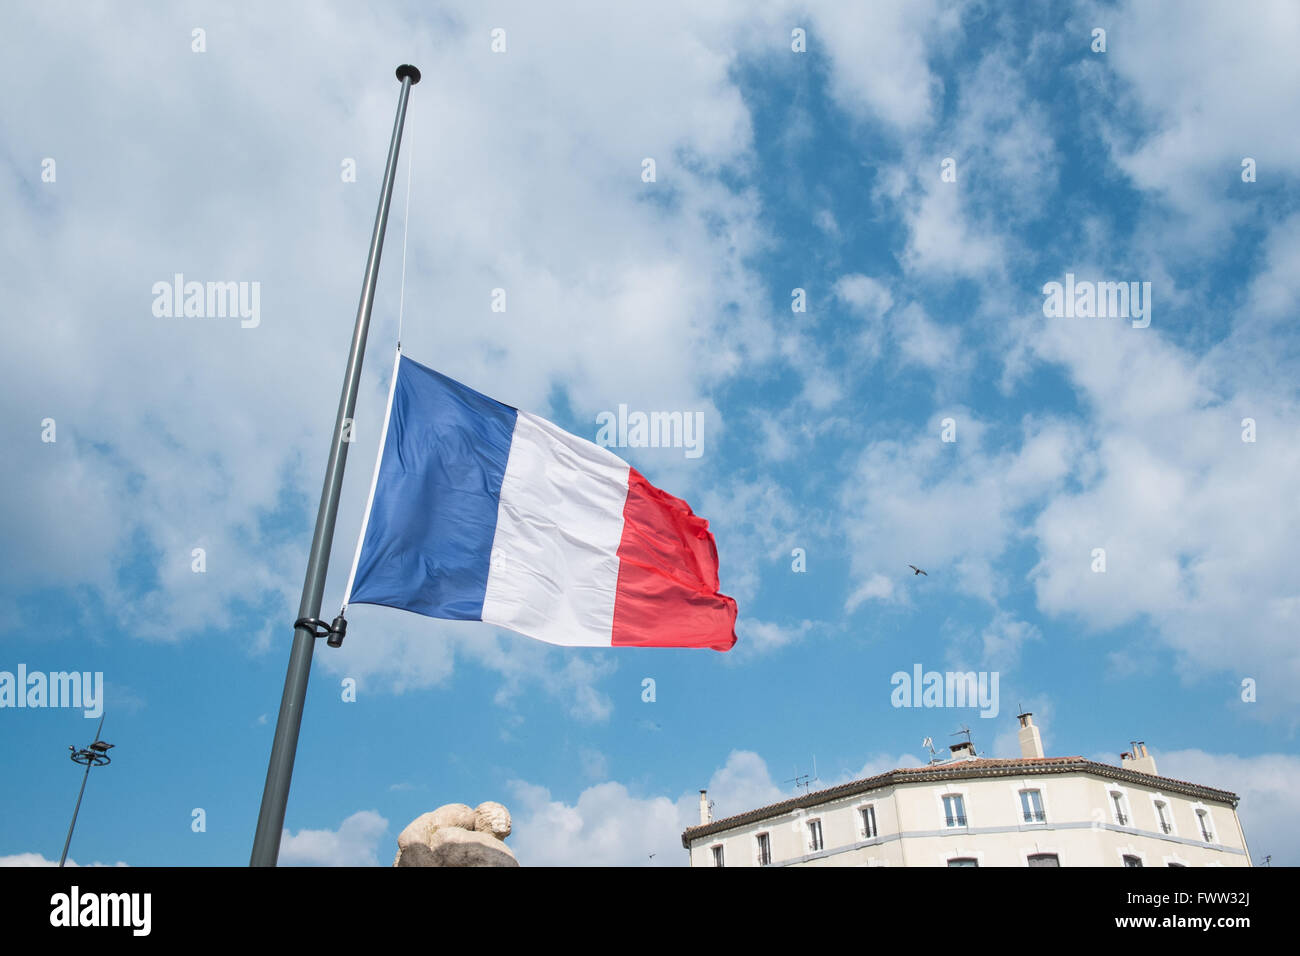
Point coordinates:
pixel 743 783
pixel 880 64
pixel 1275 290
pixel 354 843
pixel 1187 68
pixel 1174 498
pixel 825 221
pixel 923 342
pixel 1261 338
pixel 761 637
pixel 876 587
pixel 1154 471
pixel 609 825
pixel 919 340
pixel 943 241
pixel 1005 166
pixel 870 297
pixel 1002 639
pixel 406 653
pixel 1001 138
pixel 883 763
pixel 948 507
pixel 757 525
pixel 36 859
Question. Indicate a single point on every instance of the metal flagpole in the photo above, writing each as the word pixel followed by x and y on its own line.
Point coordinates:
pixel 275 797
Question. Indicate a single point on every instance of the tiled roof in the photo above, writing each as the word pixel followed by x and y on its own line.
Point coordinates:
pixel 961 769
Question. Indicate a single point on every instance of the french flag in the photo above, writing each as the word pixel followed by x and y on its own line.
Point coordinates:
pixel 481 512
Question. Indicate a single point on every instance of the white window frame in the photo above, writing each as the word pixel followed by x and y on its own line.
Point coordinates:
pixel 1200 810
pixel 862 824
pixel 758 848
pixel 1157 801
pixel 1020 810
pixel 719 854
pixel 1125 806
pixel 964 793
pixel 954 811
pixel 821 835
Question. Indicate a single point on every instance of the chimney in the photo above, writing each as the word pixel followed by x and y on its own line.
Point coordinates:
pixel 1139 759
pixel 1031 745
pixel 706 816
pixel 965 750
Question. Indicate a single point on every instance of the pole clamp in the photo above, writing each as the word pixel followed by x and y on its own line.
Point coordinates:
pixel 335 631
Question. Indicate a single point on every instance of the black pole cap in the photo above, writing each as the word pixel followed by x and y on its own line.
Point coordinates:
pixel 406 70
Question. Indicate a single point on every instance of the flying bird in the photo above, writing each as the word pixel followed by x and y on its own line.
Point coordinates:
pixel 917 570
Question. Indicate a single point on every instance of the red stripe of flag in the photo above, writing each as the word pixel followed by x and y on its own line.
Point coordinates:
pixel 668 575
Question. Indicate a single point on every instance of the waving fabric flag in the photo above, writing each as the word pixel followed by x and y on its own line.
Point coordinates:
pixel 481 512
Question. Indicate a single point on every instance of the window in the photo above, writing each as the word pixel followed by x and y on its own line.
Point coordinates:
pixel 1031 805
pixel 717 856
pixel 963 861
pixel 1130 860
pixel 1162 817
pixel 1203 818
pixel 1118 799
pixel 868 822
pixel 954 810
pixel 764 850
pixel 1179 865
pixel 1044 859
pixel 814 835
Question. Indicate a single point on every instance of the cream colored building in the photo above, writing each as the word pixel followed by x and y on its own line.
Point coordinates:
pixel 969 811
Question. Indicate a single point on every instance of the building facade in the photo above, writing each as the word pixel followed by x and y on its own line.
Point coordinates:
pixel 968 811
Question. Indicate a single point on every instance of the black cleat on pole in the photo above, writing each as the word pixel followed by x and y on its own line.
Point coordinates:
pixel 275 797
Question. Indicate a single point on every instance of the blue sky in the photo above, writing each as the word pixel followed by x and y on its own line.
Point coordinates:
pixel 775 170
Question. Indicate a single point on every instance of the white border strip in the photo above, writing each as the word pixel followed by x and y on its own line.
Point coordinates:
pixel 374 481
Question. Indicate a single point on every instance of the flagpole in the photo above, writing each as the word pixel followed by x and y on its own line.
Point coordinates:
pixel 275 797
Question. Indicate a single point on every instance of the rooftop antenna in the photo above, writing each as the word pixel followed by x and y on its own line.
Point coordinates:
pixel 800 779
pixel 966 731
pixel 805 780
pixel 928 742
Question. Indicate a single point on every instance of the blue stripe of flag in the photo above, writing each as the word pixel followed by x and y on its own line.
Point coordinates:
pixel 428 542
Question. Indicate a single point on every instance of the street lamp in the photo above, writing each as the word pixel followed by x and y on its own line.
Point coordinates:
pixel 96 755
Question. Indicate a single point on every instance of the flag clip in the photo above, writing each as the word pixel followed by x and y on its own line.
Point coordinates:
pixel 335 632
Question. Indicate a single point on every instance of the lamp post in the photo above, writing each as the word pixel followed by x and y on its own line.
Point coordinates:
pixel 96 755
